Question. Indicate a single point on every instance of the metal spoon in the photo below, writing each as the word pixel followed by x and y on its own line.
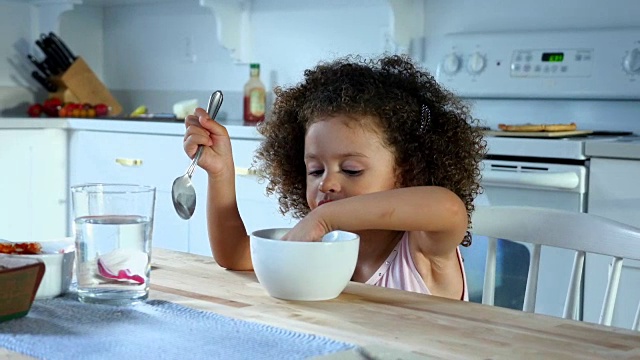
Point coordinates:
pixel 182 192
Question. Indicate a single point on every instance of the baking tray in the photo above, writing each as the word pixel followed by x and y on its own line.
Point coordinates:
pixel 539 134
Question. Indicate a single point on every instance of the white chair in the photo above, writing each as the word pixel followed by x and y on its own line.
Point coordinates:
pixel 584 233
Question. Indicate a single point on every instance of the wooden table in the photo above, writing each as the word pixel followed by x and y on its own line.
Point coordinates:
pixel 398 321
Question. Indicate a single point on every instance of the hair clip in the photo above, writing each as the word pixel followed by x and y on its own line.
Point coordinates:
pixel 426 118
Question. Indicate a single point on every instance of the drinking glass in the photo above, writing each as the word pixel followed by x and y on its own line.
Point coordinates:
pixel 113 224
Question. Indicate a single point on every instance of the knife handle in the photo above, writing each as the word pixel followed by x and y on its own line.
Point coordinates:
pixel 52 60
pixel 53 70
pixel 39 65
pixel 48 85
pixel 62 47
pixel 57 54
pixel 47 59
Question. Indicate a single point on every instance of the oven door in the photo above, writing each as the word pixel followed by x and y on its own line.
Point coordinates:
pixel 557 186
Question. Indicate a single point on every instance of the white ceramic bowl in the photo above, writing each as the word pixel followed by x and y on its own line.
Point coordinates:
pixel 58 257
pixel 296 270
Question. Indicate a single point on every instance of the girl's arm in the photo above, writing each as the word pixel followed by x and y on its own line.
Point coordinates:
pixel 227 233
pixel 437 211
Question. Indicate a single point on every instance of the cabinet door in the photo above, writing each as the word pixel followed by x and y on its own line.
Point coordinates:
pixel 155 160
pixel 34 184
pixel 257 210
pixel 613 193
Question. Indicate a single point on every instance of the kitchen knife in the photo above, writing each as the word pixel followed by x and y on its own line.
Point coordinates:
pixel 48 85
pixel 62 46
pixel 53 66
pixel 55 52
pixel 53 59
pixel 40 65
pixel 64 61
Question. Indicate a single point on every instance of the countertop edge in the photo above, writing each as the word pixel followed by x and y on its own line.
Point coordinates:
pixel 624 148
pixel 235 129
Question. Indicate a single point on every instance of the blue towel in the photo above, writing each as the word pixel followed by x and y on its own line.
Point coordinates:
pixel 64 328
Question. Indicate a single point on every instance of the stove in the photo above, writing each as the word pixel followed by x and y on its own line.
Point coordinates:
pixel 541 77
pixel 553 149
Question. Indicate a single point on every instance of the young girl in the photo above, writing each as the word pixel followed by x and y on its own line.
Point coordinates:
pixel 374 147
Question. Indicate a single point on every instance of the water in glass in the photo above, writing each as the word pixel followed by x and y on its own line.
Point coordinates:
pixel 113 253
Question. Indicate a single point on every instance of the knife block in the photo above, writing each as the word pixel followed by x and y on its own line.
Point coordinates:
pixel 62 93
pixel 80 84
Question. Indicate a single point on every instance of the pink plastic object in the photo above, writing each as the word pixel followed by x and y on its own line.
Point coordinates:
pixel 122 265
pixel 122 275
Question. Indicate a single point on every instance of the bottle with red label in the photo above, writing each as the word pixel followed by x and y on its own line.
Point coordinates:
pixel 255 99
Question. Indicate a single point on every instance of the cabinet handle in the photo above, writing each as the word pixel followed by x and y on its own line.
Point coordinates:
pixel 129 162
pixel 246 172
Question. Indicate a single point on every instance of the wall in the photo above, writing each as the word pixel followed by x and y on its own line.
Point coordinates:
pixel 17 88
pixel 502 15
pixel 14 42
pixel 158 55
pixel 82 30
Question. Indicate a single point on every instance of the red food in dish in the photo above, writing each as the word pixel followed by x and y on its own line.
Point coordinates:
pixel 24 248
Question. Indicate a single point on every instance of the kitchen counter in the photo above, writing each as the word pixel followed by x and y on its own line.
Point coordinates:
pixel 627 147
pixel 374 317
pixel 619 148
pixel 237 129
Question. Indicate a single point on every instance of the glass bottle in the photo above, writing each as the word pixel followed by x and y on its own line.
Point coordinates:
pixel 255 100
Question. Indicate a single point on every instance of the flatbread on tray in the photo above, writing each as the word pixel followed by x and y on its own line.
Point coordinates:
pixel 537 127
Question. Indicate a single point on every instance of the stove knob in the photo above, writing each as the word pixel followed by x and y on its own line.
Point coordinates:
pixel 451 64
pixel 631 62
pixel 476 63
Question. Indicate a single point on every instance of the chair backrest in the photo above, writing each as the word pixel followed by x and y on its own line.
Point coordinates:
pixel 582 232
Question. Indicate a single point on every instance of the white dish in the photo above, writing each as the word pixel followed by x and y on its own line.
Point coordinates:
pixel 295 270
pixel 58 257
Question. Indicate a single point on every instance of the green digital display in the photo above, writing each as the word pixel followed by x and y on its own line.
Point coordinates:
pixel 553 57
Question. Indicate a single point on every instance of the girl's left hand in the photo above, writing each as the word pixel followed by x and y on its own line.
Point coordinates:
pixel 310 228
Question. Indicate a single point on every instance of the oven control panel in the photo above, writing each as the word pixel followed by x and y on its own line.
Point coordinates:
pixel 590 64
pixel 552 63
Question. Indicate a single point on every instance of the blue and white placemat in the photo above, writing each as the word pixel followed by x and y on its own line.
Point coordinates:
pixel 64 328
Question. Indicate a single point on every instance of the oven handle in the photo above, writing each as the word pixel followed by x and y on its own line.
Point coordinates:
pixel 558 180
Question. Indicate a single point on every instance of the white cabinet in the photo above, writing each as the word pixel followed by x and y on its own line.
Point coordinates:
pixel 34 183
pixel 146 159
pixel 613 193
pixel 40 165
pixel 257 210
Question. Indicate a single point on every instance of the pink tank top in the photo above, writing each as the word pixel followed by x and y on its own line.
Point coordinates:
pixel 399 271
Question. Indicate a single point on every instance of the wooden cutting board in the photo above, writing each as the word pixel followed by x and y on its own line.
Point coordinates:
pixel 539 134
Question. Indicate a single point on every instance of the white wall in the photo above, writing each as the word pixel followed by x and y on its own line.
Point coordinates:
pixel 82 29
pixel 290 36
pixel 14 43
pixel 169 51
pixel 494 15
pixel 17 88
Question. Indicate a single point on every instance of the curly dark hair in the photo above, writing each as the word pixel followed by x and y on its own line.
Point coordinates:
pixel 430 130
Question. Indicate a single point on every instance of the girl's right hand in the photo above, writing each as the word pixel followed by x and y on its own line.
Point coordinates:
pixel 310 228
pixel 202 130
